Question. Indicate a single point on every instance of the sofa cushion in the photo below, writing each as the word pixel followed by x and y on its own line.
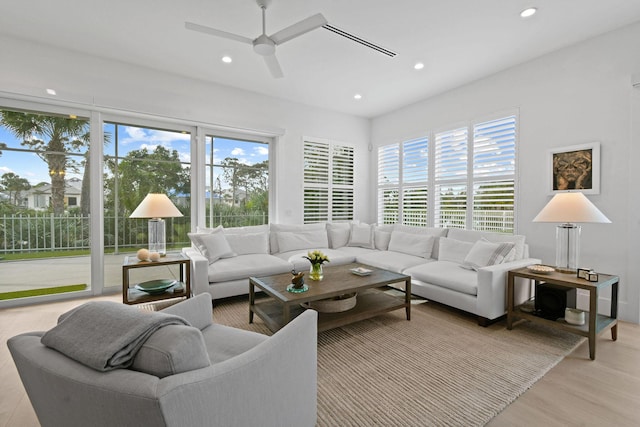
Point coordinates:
pixel 171 350
pixel 412 244
pixel 485 253
pixel 473 236
pixel 291 241
pixel 338 234
pixel 336 257
pixel 224 342
pixel 436 232
pixel 277 228
pixel 390 260
pixel 248 243
pixel 212 245
pixel 446 274
pixel 453 250
pixel 243 266
pixel 361 236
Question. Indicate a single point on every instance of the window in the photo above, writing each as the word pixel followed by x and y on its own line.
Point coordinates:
pixel 237 182
pixel 328 181
pixel 43 178
pixel 465 179
pixel 139 160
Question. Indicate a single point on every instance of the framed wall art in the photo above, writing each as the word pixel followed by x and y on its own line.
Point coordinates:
pixel 576 167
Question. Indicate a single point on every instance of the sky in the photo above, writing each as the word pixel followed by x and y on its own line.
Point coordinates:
pixel 34 169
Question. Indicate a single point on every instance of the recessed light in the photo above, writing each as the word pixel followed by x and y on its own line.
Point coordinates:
pixel 227 59
pixel 419 66
pixel 528 12
pixel 357 96
pixel 51 91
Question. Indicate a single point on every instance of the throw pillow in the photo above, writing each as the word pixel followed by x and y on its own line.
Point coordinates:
pixel 381 239
pixel 453 250
pixel 172 350
pixel 212 245
pixel 411 244
pixel 248 243
pixel 338 234
pixel 485 253
pixel 361 236
pixel 291 241
pixel 276 228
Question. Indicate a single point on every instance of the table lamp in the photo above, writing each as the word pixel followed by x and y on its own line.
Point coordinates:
pixel 568 208
pixel 156 206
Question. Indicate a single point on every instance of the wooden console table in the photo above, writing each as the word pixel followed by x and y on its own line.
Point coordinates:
pixel 596 323
pixel 133 296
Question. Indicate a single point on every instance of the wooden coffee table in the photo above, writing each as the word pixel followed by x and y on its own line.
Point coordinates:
pixel 283 306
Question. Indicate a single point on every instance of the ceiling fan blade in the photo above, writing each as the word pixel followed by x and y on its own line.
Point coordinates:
pixel 274 66
pixel 298 29
pixel 218 33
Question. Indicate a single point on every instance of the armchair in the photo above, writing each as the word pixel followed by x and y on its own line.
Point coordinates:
pixel 252 379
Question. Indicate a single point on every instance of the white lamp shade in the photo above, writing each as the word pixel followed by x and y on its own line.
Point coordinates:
pixel 156 205
pixel 570 207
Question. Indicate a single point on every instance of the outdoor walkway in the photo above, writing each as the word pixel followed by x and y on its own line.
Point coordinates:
pixel 50 272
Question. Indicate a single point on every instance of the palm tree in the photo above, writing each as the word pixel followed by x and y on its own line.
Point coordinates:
pixel 51 137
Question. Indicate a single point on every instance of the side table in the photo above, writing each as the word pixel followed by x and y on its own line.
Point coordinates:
pixel 134 296
pixel 596 324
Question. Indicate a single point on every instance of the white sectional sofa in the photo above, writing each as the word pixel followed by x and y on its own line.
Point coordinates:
pixel 460 268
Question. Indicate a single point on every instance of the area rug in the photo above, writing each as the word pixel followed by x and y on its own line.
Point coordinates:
pixel 439 369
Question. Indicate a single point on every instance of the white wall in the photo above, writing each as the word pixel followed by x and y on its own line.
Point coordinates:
pixel 28 69
pixel 577 95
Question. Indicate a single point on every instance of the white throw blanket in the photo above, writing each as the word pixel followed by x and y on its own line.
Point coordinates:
pixel 105 335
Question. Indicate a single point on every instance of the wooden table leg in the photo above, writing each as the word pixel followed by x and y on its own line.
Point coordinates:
pixel 510 281
pixel 593 315
pixel 286 314
pixel 614 310
pixel 252 300
pixel 407 298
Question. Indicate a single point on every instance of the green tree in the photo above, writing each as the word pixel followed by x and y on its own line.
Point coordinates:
pixel 52 137
pixel 142 172
pixel 13 185
pixel 250 178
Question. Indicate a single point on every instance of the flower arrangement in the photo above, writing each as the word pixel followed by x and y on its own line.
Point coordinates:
pixel 316 257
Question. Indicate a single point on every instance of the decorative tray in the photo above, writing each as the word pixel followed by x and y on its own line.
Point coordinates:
pixel 361 271
pixel 540 269
pixel 156 287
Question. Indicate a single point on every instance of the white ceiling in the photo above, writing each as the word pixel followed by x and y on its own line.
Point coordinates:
pixel 459 41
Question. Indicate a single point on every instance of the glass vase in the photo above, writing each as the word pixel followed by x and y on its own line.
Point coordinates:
pixel 316 272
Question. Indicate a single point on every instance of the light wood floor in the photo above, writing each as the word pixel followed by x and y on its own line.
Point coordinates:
pixel 577 392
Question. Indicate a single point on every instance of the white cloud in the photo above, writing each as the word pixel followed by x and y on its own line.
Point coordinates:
pixel 185 157
pixel 150 147
pixel 261 151
pixel 237 152
pixel 152 136
pixel 4 169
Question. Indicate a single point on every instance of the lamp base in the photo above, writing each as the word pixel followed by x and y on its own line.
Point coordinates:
pixel 567 248
pixel 565 270
pixel 157 242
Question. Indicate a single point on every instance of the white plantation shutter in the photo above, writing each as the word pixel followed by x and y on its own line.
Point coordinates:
pixel 316 163
pixel 415 177
pixel 414 206
pixel 328 181
pixel 450 176
pixel 388 183
pixel 494 153
pixel 464 178
pixel 415 165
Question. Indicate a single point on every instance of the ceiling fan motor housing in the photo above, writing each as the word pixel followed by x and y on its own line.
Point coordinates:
pixel 264 46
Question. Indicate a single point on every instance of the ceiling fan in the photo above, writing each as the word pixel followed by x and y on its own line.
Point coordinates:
pixel 266 45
